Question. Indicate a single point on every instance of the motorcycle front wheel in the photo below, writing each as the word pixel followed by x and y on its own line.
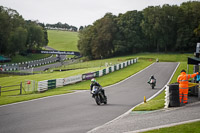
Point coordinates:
pixel 105 100
pixel 97 99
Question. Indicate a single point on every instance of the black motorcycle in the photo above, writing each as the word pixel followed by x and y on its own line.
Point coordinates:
pixel 98 95
pixel 152 83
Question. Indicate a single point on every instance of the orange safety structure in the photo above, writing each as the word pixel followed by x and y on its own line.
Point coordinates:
pixel 183 79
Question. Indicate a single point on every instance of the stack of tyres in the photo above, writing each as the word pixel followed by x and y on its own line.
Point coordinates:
pixel 52 84
pixel 174 95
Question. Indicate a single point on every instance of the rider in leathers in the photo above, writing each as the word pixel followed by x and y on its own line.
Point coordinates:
pixel 152 77
pixel 95 83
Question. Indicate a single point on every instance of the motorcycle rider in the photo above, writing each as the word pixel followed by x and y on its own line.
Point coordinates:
pixel 150 80
pixel 95 83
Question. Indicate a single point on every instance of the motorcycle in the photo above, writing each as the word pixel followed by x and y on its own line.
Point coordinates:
pixel 152 83
pixel 98 95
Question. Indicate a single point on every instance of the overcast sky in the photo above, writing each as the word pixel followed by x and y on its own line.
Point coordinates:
pixel 78 12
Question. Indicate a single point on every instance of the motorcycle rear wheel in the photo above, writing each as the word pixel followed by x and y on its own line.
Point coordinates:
pixel 152 86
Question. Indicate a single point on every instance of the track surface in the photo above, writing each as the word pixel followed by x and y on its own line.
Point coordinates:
pixel 77 112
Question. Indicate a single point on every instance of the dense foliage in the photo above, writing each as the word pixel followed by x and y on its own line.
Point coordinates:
pixel 17 35
pixel 61 26
pixel 154 29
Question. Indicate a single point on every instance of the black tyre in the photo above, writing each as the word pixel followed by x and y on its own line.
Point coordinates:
pixel 105 100
pixel 152 85
pixel 97 99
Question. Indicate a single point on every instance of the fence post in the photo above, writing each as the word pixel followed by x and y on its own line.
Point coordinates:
pixel 20 88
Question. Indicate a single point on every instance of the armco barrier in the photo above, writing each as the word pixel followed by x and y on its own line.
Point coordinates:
pixel 50 84
pixel 100 73
pixel 112 68
pixel 72 79
pixel 59 82
pixel 42 86
pixel 104 72
pixel 115 68
pixel 88 76
pixel 97 74
pixel 107 70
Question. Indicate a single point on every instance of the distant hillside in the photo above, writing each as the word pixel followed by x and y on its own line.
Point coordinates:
pixel 63 40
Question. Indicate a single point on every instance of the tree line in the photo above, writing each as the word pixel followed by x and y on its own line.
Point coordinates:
pixel 61 26
pixel 169 28
pixel 18 35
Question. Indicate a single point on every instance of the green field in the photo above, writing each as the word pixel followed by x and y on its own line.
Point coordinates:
pixel 63 40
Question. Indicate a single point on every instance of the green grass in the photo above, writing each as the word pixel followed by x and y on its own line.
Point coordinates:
pixel 154 104
pixel 63 40
pixel 184 128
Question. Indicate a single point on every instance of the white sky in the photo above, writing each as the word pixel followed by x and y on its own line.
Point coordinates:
pixel 78 12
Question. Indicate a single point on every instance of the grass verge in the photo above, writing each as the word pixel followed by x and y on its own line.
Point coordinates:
pixel 184 128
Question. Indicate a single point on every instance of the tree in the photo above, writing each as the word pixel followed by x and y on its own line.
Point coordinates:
pixel 85 37
pixel 36 36
pixel 129 38
pixel 80 28
pixel 168 27
pixel 17 40
pixel 96 41
pixel 102 41
pixel 188 20
pixel 151 27
pixel 11 25
pixel 197 32
pixel 161 29
pixel 5 30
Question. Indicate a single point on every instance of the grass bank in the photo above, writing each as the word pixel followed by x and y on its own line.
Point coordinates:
pixel 63 40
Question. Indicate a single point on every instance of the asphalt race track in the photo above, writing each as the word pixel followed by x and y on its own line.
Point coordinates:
pixel 78 112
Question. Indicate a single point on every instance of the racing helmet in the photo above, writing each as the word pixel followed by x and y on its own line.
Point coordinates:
pixel 93 80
